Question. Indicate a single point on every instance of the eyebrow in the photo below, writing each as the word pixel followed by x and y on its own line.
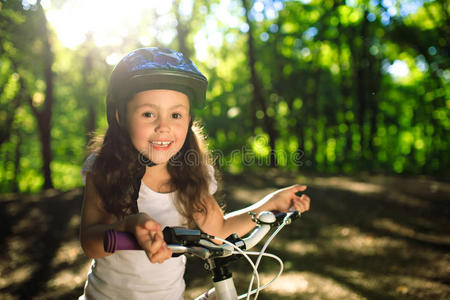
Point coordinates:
pixel 156 106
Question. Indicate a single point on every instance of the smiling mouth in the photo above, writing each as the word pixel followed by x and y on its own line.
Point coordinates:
pixel 160 144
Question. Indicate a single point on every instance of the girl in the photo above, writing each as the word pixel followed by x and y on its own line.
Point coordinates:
pixel 151 171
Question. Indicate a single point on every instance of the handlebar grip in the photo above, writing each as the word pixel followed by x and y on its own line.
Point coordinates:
pixel 115 240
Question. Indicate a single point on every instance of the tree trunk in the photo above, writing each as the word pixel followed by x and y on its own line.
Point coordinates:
pixel 258 93
pixel 183 29
pixel 44 115
pixel 314 109
pixel 374 87
pixel 88 96
pixel 347 101
pixel 17 154
pixel 361 61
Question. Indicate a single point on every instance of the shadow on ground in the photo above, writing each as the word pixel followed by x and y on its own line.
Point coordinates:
pixel 371 237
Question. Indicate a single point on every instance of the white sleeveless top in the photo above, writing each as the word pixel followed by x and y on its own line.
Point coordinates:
pixel 130 274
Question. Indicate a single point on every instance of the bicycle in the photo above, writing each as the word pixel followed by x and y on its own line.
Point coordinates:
pixel 197 243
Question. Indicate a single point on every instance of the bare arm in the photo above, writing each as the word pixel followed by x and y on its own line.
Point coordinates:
pixel 215 223
pixel 95 221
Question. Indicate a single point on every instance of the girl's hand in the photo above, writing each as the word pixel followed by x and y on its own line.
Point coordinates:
pixel 149 236
pixel 282 200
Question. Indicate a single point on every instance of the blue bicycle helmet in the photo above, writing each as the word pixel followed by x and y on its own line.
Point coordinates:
pixel 153 68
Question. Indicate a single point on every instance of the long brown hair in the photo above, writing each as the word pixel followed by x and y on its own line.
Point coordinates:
pixel 119 168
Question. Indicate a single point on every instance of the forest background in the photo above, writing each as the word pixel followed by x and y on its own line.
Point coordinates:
pixel 329 86
pixel 349 96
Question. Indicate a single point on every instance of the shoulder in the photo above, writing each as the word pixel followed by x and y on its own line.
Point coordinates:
pixel 211 170
pixel 212 180
pixel 87 166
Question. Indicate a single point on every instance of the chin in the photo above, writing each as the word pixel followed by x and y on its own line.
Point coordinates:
pixel 160 159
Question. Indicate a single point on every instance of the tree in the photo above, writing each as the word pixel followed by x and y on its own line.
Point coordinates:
pixel 259 98
pixel 44 115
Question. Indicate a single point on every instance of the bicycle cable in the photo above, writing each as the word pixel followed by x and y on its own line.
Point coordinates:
pixel 255 266
pixel 246 257
pixel 280 261
pixel 261 254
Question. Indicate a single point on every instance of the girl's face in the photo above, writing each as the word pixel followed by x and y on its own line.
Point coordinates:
pixel 158 121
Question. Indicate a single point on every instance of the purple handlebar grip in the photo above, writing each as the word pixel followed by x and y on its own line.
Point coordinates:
pixel 115 240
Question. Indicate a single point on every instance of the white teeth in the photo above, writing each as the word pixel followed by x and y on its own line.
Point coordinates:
pixel 160 143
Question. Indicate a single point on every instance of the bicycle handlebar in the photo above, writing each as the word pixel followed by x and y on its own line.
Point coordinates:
pixel 182 240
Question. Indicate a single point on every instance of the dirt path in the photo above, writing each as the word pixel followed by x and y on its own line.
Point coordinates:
pixel 372 237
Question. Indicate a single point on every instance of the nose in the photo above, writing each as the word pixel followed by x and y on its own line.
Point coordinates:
pixel 162 125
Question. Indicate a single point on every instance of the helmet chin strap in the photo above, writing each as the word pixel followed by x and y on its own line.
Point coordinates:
pixel 149 163
pixel 143 159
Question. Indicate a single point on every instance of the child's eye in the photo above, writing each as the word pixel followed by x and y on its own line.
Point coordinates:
pixel 176 116
pixel 148 114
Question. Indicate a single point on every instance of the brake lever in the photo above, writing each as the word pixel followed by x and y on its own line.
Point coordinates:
pixel 286 217
pixel 200 252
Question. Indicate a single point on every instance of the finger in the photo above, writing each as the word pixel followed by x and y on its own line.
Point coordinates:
pixel 307 201
pixel 300 187
pixel 168 250
pixel 160 234
pixel 303 203
pixel 146 242
pixel 156 244
pixel 162 254
pixel 152 225
pixel 298 205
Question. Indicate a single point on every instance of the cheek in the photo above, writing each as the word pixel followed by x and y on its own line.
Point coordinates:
pixel 138 132
pixel 181 132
